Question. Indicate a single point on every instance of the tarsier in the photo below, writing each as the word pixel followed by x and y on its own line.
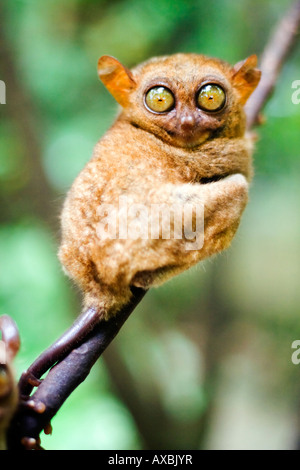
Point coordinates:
pixel 180 137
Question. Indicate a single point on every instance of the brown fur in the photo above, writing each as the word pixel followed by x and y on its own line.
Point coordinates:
pixel 156 158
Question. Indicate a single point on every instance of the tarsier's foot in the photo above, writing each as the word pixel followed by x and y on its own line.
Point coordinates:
pixel 31 406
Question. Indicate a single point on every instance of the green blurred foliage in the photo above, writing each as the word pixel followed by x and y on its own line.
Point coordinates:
pixel 171 342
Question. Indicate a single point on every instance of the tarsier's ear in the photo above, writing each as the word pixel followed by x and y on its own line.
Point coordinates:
pixel 245 77
pixel 117 78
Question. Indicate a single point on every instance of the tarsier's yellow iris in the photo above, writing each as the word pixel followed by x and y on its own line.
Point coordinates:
pixel 160 99
pixel 211 97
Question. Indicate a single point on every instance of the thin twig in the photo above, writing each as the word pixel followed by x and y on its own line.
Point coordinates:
pixel 275 53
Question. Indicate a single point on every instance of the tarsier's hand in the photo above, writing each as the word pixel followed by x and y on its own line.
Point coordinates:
pixel 223 202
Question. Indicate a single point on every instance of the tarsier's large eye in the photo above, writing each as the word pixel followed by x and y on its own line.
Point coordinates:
pixel 159 99
pixel 211 97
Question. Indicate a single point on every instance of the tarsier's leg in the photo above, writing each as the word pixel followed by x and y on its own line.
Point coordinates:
pixel 76 334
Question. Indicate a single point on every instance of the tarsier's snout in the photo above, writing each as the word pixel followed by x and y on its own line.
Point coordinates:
pixel 187 122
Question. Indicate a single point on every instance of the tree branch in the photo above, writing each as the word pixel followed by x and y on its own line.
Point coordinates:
pixel 275 53
pixel 34 414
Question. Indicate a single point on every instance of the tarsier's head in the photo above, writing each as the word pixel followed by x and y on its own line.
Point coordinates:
pixel 184 99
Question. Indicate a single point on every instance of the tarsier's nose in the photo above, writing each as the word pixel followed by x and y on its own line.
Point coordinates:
pixel 187 122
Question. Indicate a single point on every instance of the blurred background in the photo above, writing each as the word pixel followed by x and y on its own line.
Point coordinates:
pixel 205 361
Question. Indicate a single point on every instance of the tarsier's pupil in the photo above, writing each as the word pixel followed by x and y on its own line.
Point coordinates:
pixel 159 99
pixel 211 97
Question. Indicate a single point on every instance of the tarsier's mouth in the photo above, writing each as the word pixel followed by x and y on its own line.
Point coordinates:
pixel 187 139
